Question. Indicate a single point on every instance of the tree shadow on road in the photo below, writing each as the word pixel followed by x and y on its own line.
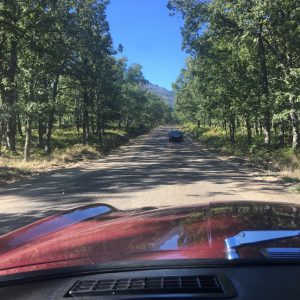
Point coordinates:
pixel 143 165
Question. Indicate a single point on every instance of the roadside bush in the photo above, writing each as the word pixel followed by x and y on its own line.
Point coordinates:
pixel 269 157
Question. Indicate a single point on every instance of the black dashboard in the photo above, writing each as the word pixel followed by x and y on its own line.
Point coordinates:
pixel 229 282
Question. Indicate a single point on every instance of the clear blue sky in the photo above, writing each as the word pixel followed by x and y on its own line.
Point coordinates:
pixel 149 36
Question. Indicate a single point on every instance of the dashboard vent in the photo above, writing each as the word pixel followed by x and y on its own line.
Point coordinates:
pixel 281 253
pixel 208 284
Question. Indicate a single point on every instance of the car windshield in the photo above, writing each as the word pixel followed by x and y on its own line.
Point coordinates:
pixel 141 130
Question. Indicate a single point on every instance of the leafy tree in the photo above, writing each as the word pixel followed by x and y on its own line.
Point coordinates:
pixel 244 66
pixel 57 68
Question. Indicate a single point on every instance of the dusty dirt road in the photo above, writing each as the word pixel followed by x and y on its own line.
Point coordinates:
pixel 148 172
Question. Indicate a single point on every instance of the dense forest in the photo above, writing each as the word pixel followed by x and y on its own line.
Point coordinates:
pixel 243 71
pixel 58 69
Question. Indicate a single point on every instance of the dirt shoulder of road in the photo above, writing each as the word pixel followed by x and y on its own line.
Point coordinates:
pixel 13 169
pixel 290 179
pixel 17 170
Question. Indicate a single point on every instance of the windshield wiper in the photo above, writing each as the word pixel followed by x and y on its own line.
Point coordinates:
pixel 254 236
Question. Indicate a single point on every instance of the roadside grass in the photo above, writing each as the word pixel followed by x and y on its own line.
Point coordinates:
pixel 67 150
pixel 295 188
pixel 270 158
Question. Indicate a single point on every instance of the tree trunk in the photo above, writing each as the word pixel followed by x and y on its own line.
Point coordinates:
pixel 49 131
pixel 19 125
pixel 59 120
pixel 275 127
pixel 249 130
pixel 232 129
pixel 265 87
pixel 260 128
pixel 93 127
pixel 282 134
pixel 103 127
pixel 41 131
pixel 267 128
pixel 88 127
pixel 256 126
pixel 84 127
pixel 11 98
pixel 27 139
pixel 85 118
pixel 295 128
pixel 51 116
pixel 226 129
pixel 1 134
pixel 238 123
pixel 11 133
pixel 98 123
pixel 294 123
pixel 99 132
pixel 77 115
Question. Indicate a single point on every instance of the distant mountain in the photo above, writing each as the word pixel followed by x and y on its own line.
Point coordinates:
pixel 165 94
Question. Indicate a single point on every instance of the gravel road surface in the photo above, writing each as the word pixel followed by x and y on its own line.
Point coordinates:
pixel 149 171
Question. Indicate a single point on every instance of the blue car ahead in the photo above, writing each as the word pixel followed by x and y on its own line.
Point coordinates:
pixel 176 136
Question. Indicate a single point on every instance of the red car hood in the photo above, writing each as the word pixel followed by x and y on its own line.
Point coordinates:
pixel 101 234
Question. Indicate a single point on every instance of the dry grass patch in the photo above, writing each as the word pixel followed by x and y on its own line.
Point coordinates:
pixel 15 168
pixel 77 152
pixel 67 151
